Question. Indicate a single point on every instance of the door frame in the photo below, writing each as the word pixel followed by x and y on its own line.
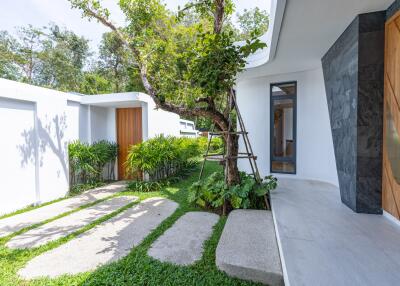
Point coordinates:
pixel 390 186
pixel 293 158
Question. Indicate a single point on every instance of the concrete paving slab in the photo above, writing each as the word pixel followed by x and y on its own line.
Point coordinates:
pixel 68 224
pixel 248 248
pixel 17 222
pixel 182 244
pixel 323 242
pixel 107 242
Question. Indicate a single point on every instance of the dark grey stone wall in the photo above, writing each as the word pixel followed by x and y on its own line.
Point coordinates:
pixel 353 72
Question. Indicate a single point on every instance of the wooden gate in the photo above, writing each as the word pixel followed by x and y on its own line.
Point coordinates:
pixel 129 132
pixel 391 139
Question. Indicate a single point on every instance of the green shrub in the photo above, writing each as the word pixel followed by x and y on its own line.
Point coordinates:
pixel 216 145
pixel 213 191
pixel 142 186
pixel 162 157
pixel 87 162
pixel 81 163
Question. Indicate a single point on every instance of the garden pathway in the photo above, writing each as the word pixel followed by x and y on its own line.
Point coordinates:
pixel 17 222
pixel 107 242
pixel 182 244
pixel 68 224
pixel 248 248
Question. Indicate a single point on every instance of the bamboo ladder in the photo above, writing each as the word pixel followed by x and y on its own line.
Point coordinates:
pixel 223 158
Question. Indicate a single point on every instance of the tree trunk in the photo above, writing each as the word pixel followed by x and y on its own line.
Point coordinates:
pixel 232 151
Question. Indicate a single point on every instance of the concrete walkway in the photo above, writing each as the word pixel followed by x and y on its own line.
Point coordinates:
pixel 105 243
pixel 68 224
pixel 325 243
pixel 17 222
pixel 248 248
pixel 182 244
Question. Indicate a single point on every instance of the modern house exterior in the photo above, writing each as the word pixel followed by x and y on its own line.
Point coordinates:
pixel 37 123
pixel 322 108
pixel 322 101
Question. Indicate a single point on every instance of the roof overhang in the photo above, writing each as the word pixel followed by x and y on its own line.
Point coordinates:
pixel 302 32
pixel 261 57
pixel 117 100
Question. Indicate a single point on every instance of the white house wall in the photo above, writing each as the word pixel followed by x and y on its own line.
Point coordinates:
pixel 34 136
pixel 315 153
pixel 17 171
pixel 161 122
pixel 36 125
pixel 99 123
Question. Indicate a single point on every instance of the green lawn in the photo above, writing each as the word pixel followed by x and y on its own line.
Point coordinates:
pixel 137 268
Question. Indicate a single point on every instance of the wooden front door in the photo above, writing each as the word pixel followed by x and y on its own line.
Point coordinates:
pixel 391 129
pixel 129 132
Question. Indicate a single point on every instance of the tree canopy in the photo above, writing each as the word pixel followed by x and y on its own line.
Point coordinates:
pixel 58 58
pixel 187 67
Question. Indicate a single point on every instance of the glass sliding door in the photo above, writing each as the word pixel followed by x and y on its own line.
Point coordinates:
pixel 283 127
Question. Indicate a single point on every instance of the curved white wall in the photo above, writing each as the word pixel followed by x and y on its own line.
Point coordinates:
pixel 315 153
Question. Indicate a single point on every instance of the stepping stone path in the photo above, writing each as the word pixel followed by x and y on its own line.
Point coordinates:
pixel 248 248
pixel 68 224
pixel 107 242
pixel 17 222
pixel 182 244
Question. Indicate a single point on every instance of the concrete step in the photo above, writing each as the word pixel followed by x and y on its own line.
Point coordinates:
pixel 17 222
pixel 248 248
pixel 182 244
pixel 68 224
pixel 107 242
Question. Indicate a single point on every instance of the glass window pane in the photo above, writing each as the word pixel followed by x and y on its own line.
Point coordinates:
pixel 283 134
pixel 284 89
pixel 283 167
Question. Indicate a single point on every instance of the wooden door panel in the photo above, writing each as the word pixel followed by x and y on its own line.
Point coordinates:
pixel 388 201
pixel 129 132
pixel 391 129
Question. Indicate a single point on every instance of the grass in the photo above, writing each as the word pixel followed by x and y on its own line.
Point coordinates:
pixel 137 268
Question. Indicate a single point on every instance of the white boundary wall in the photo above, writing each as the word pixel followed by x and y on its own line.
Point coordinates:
pixel 36 125
pixel 315 153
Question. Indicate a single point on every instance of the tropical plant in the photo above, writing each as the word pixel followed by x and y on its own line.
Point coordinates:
pixel 80 163
pixel 212 192
pixel 216 145
pixel 143 186
pixel 87 162
pixel 162 157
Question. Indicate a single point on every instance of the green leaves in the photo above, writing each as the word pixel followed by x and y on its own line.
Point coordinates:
pixel 253 23
pixel 142 186
pixel 49 56
pixel 88 161
pixel 212 191
pixel 162 157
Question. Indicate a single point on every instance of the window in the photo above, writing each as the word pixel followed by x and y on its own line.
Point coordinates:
pixel 283 128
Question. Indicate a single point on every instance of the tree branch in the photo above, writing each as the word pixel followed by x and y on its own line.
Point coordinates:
pixel 209 111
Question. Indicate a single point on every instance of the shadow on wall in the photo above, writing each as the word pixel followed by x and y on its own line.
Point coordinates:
pixel 50 136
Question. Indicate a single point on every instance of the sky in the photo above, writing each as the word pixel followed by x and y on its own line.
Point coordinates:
pixel 41 12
